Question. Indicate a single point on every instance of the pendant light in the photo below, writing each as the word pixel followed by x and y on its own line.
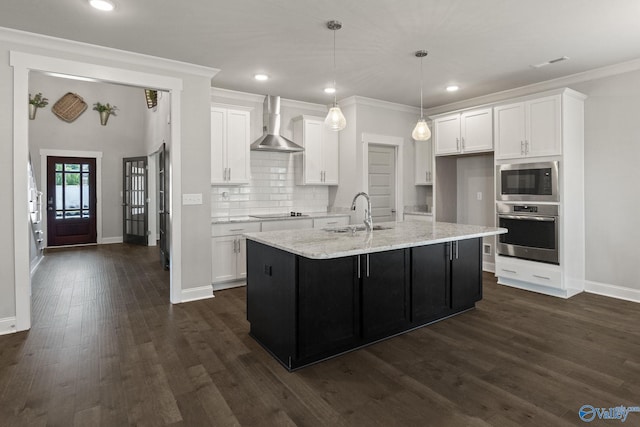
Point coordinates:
pixel 335 119
pixel 421 132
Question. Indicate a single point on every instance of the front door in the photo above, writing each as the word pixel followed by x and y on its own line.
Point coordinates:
pixel 71 201
pixel 134 204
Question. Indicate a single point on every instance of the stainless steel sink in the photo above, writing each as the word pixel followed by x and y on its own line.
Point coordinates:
pixel 355 228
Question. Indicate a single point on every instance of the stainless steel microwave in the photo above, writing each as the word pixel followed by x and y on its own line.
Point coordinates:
pixel 528 182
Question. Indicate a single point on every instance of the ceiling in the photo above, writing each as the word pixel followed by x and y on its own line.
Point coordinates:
pixel 483 46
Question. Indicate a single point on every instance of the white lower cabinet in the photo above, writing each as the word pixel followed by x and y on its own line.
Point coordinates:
pixel 514 270
pixel 229 252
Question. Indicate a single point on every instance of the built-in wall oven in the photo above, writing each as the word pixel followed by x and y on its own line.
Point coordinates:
pixel 527 182
pixel 533 231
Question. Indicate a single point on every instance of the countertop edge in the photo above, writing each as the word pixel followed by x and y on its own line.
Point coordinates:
pixel 360 251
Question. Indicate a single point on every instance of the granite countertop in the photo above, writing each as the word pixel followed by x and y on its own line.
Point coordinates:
pixel 284 216
pixel 324 244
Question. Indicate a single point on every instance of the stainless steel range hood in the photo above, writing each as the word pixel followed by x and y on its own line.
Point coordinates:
pixel 272 140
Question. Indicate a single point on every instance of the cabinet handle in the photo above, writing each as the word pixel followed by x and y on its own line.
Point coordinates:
pixel 332 222
pixel 359 267
pixel 367 265
pixel 522 148
pixel 457 143
pixel 463 142
pixel 456 249
pixel 541 277
pixel 237 229
pixel 526 147
pixel 509 271
pixel 229 178
pixel 450 244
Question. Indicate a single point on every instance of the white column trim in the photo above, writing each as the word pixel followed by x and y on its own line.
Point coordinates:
pixel 44 153
pixel 22 64
pixel 394 141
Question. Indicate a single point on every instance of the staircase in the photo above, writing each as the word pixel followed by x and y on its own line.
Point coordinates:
pixel 35 218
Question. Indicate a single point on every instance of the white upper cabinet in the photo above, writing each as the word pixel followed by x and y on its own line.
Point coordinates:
pixel 530 128
pixel 423 162
pixel 466 132
pixel 230 141
pixel 319 163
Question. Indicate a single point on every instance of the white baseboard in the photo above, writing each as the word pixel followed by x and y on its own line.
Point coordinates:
pixel 612 291
pixel 110 240
pixel 489 266
pixel 194 294
pixel 36 262
pixel 7 325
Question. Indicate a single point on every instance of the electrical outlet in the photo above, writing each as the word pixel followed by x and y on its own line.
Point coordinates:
pixel 192 199
pixel 486 249
pixel 479 195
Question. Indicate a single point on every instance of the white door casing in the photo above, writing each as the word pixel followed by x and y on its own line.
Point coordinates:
pixel 22 64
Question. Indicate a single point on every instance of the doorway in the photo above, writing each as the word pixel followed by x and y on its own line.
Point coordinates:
pixel 382 185
pixel 71 201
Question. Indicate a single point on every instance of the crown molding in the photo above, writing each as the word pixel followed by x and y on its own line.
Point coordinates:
pixel 217 92
pixel 560 82
pixel 80 48
pixel 377 103
pixel 235 95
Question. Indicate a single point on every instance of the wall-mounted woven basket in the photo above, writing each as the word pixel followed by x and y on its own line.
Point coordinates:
pixel 69 107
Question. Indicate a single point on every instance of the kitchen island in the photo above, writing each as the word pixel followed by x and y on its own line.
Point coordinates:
pixel 314 294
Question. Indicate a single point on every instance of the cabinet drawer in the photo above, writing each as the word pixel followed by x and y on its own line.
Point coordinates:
pixel 330 222
pixel 412 217
pixel 529 271
pixel 234 228
pixel 287 224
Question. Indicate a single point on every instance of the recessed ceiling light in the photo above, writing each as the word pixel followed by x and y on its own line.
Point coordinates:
pixel 104 5
pixel 452 88
pixel 329 90
pixel 261 77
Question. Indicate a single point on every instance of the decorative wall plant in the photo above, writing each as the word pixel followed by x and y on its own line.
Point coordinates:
pixel 105 111
pixel 152 97
pixel 35 102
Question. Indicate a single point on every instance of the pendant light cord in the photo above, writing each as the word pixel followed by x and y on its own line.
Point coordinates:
pixel 335 102
pixel 421 77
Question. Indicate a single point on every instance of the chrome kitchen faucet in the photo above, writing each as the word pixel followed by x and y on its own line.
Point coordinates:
pixel 368 221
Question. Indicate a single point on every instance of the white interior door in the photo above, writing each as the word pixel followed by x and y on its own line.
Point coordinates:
pixel 382 182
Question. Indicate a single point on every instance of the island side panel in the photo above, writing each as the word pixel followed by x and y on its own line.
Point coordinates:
pixel 329 307
pixel 271 299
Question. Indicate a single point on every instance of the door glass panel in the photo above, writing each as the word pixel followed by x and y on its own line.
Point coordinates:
pixel 85 191
pixel 71 214
pixel 58 167
pixel 72 190
pixel 59 198
pixel 85 168
pixel 72 167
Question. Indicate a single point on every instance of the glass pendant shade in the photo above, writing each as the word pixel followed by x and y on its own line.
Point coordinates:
pixel 335 119
pixel 421 132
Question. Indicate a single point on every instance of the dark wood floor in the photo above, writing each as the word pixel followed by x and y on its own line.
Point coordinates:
pixel 106 348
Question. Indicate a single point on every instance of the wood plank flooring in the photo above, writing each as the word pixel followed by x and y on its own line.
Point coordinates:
pixel 107 349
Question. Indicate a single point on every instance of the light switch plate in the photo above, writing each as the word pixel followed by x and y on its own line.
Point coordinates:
pixel 192 199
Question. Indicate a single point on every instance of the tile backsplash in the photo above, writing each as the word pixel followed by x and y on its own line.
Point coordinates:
pixel 272 190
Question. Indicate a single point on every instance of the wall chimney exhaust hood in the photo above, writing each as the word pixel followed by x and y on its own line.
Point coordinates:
pixel 271 140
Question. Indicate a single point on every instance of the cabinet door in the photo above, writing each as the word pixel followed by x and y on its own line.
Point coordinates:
pixel 331 156
pixel 241 258
pixel 466 273
pixel 384 293
pixel 328 301
pixel 424 162
pixel 237 147
pixel 312 135
pixel 476 130
pixel 447 135
pixel 509 130
pixel 218 138
pixel 544 127
pixel 430 290
pixel 223 259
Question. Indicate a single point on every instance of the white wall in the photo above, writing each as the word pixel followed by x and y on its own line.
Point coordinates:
pixel 123 136
pixel 612 174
